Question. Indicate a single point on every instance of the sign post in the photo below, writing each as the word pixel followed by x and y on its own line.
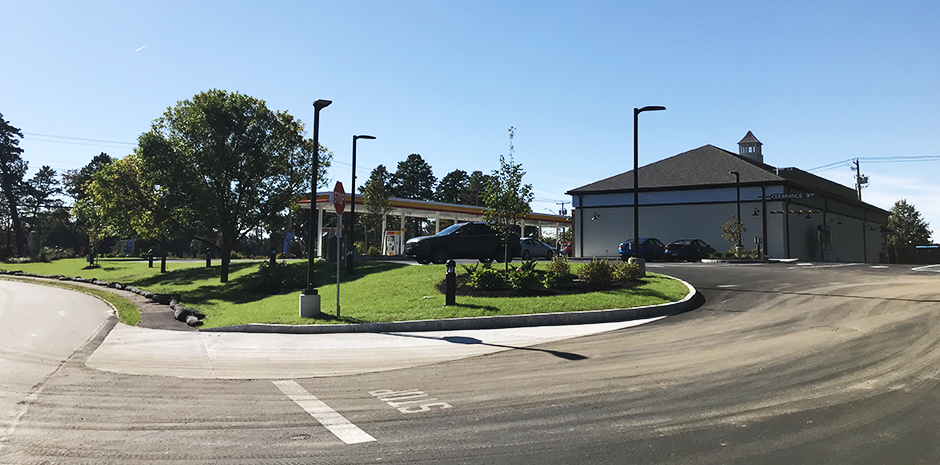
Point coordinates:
pixel 339 203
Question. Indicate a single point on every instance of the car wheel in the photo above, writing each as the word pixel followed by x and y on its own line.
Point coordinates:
pixel 549 255
pixel 526 255
pixel 499 255
pixel 439 256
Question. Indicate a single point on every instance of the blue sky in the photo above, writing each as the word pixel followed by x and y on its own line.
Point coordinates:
pixel 817 82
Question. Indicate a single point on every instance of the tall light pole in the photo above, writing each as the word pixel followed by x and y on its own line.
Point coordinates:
pixel 737 185
pixel 636 179
pixel 351 227
pixel 311 236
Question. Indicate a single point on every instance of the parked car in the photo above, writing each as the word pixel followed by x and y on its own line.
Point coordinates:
pixel 688 249
pixel 534 248
pixel 650 249
pixel 463 240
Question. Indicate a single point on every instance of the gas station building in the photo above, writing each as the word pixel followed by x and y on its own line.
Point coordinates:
pixel 441 213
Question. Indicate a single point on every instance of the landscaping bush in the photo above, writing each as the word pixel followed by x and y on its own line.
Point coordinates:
pixel 374 251
pixel 524 277
pixel 559 264
pixel 487 279
pixel 557 273
pixel 556 279
pixel 598 273
pixel 277 276
pixel 626 272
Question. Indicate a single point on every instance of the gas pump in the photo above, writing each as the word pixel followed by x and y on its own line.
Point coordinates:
pixel 393 243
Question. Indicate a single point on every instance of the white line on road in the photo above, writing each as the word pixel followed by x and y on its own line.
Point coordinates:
pixel 336 423
pixel 933 268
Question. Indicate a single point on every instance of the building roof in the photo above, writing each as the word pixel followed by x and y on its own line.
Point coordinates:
pixel 749 139
pixel 710 166
pixel 705 166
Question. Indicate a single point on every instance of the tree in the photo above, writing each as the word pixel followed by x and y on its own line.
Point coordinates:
pixel 910 227
pixel 733 230
pixel 472 193
pixel 41 191
pixel 73 181
pixel 413 179
pixel 12 170
pixel 130 202
pixel 450 187
pixel 375 195
pixel 231 160
pixel 506 198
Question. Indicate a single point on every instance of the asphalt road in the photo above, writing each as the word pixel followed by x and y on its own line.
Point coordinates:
pixel 783 364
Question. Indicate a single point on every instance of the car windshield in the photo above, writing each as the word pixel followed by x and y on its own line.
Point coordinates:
pixel 684 242
pixel 450 229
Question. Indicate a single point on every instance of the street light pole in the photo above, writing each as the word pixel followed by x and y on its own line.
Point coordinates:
pixel 351 227
pixel 737 185
pixel 636 179
pixel 311 236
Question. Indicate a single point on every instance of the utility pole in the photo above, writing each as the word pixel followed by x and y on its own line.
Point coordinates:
pixel 562 212
pixel 860 180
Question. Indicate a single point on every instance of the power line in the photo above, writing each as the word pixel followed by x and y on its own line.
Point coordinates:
pixel 901 159
pixel 67 138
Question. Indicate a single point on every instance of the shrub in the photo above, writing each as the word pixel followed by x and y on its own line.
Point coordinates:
pixel 523 279
pixel 374 251
pixel 559 264
pixel 487 279
pixel 278 276
pixel 626 272
pixel 557 273
pixel 470 269
pixel 598 273
pixel 556 279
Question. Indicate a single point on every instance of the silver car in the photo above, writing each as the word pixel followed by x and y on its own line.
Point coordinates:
pixel 534 248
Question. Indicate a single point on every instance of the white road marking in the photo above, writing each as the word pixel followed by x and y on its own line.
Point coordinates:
pixel 336 423
pixel 727 285
pixel 934 268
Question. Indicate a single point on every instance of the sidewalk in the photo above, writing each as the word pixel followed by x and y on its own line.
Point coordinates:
pixel 191 354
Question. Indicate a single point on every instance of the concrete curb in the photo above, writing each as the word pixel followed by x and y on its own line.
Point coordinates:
pixel 689 302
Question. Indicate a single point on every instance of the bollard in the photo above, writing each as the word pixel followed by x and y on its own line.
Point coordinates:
pixel 273 257
pixel 150 258
pixel 208 258
pixel 450 283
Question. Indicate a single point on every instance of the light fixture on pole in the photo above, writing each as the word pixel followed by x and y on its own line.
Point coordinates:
pixel 737 185
pixel 351 227
pixel 312 307
pixel 636 179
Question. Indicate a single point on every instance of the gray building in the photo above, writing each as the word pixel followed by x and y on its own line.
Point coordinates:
pixel 787 212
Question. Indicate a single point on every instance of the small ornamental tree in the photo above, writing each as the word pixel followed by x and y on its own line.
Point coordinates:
pixel 507 199
pixel 733 230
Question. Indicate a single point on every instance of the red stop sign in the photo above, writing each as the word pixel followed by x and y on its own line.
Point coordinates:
pixel 339 198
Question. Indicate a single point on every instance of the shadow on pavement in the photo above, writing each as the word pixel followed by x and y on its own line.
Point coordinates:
pixel 473 340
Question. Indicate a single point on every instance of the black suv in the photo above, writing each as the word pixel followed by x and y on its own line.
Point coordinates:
pixel 462 240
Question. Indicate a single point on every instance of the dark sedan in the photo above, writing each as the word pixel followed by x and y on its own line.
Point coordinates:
pixel 650 249
pixel 688 249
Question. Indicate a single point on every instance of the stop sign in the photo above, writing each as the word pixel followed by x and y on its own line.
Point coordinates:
pixel 339 198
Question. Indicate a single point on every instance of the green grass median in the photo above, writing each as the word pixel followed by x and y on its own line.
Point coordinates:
pixel 377 291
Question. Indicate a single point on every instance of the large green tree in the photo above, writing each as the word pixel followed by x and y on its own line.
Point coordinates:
pixel 472 192
pixel 12 170
pixel 131 202
pixel 911 229
pixel 74 181
pixel 229 159
pixel 413 179
pixel 375 195
pixel 450 187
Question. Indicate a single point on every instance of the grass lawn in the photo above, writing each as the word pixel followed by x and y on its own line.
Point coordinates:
pixel 377 292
